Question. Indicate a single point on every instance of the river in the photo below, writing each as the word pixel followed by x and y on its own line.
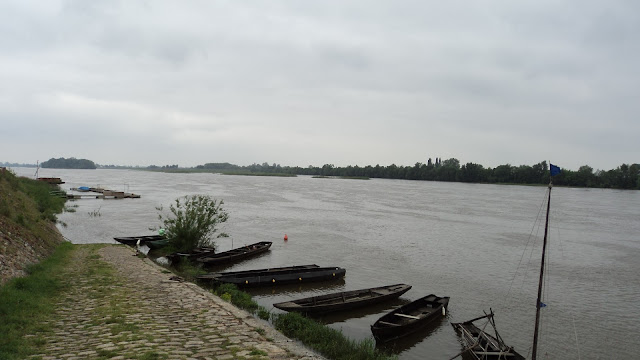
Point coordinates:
pixel 479 244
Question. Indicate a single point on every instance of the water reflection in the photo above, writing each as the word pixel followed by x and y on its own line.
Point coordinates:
pixel 407 342
pixel 363 312
pixel 291 289
pixel 227 266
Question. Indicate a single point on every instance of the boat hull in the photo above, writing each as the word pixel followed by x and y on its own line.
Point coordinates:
pixel 133 240
pixel 345 300
pixel 157 244
pixel 277 276
pixel 192 255
pixel 482 345
pixel 409 318
pixel 233 255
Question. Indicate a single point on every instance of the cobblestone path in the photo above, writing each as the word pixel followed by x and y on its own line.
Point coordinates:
pixel 119 306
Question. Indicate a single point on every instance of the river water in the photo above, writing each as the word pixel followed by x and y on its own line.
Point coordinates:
pixel 478 244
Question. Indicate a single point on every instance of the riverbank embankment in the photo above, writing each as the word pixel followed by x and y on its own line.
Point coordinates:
pixel 116 305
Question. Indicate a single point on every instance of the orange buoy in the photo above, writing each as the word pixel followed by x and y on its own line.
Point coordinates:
pixel 286 237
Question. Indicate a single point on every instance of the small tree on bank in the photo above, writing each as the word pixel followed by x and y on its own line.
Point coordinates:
pixel 194 222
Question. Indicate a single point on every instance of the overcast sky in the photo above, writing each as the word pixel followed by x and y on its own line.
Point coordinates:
pixel 321 82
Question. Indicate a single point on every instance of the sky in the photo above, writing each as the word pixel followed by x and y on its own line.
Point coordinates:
pixel 302 83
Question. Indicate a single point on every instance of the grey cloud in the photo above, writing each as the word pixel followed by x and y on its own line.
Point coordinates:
pixel 349 81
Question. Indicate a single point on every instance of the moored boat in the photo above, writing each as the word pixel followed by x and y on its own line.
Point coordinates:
pixel 52 180
pixel 133 240
pixel 232 255
pixel 157 244
pixel 409 318
pixel 191 255
pixel 344 300
pixel 277 276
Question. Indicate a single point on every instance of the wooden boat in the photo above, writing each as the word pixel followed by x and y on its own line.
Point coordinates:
pixel 51 180
pixel 481 344
pixel 234 254
pixel 277 276
pixel 344 300
pixel 192 255
pixel 133 240
pixel 409 318
pixel 157 244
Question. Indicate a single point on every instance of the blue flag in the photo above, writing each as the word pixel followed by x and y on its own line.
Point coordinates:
pixel 542 305
pixel 555 170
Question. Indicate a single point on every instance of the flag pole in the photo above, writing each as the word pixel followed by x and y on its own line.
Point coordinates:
pixel 544 248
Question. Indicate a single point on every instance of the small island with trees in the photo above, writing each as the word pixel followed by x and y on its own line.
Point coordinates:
pixel 70 163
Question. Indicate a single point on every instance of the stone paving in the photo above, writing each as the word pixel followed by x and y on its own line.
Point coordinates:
pixel 126 307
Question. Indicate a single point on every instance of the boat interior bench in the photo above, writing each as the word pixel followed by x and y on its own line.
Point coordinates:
pixel 407 316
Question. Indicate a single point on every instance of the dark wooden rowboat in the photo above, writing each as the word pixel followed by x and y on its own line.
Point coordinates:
pixel 344 300
pixel 409 318
pixel 215 275
pixel 234 254
pixel 481 344
pixel 192 255
pixel 277 276
pixel 157 244
pixel 133 240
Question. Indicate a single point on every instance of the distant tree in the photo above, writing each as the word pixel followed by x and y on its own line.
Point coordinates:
pixel 471 172
pixel 452 163
pixel 585 176
pixel 503 174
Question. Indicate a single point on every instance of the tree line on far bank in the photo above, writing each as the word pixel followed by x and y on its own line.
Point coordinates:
pixel 623 177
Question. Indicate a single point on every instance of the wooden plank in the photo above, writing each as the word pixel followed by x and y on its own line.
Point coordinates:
pixel 387 323
pixel 493 353
pixel 407 316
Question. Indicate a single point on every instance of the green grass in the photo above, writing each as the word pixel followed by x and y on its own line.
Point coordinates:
pixel 327 341
pixel 40 191
pixel 151 355
pixel 26 302
pixel 258 352
pixel 241 299
pixel 188 270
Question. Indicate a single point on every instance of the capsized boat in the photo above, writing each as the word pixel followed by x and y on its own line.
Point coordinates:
pixel 409 318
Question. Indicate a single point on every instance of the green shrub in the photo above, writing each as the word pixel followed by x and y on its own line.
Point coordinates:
pixel 264 314
pixel 20 220
pixel 239 298
pixel 194 222
pixel 5 209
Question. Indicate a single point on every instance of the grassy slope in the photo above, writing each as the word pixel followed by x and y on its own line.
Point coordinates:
pixel 27 227
pixel 27 235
